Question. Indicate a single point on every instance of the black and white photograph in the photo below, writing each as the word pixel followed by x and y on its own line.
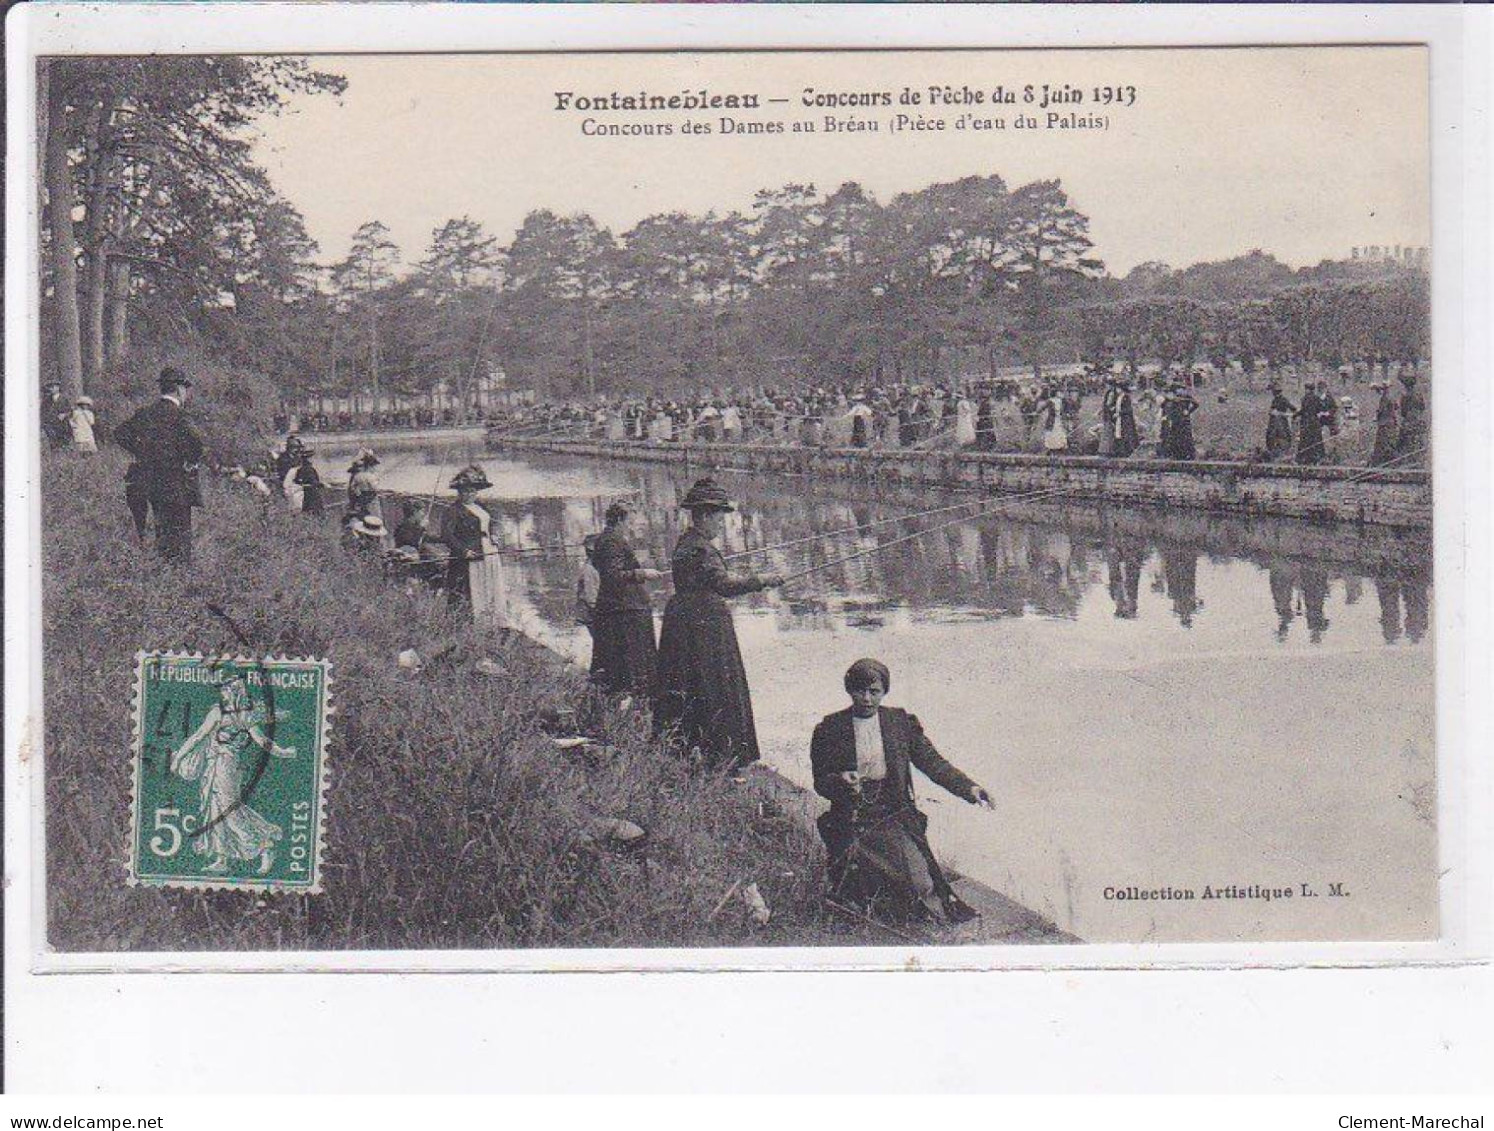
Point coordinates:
pixel 737 499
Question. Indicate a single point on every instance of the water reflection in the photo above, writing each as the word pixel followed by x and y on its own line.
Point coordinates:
pixel 1025 561
pixel 1394 592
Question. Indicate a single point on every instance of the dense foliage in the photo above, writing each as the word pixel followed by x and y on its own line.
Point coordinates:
pixel 176 235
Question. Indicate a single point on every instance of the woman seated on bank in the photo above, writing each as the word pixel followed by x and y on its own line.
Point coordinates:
pixel 874 834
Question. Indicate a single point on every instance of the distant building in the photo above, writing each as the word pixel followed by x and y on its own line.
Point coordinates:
pixel 1405 255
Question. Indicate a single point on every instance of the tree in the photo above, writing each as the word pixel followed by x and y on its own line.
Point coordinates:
pixel 458 285
pixel 59 181
pixel 560 269
pixel 1048 249
pixel 360 280
pixel 154 152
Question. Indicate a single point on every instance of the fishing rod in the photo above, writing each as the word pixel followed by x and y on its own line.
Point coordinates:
pixel 985 512
pixel 1017 496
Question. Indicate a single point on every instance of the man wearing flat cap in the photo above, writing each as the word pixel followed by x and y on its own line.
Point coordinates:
pixel 167 450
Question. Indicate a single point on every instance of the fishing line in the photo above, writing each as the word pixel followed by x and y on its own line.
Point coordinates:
pixel 985 512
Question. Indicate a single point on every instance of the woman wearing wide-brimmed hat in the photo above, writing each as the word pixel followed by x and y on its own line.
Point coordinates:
pixel 466 534
pixel 363 488
pixel 702 690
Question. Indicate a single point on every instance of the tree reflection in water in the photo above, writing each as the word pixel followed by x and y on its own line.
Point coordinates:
pixel 1026 560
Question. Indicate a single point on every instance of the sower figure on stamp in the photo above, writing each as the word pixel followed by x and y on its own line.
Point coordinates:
pixel 167 450
pixel 220 757
pixel 874 834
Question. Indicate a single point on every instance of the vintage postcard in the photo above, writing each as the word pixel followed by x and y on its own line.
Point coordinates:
pixel 749 499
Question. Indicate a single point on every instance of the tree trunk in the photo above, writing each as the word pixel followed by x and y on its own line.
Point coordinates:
pixel 373 353
pixel 117 342
pixel 59 178
pixel 43 118
pixel 588 360
pixel 100 158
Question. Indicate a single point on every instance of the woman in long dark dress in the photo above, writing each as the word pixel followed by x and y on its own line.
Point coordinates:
pixel 310 482
pixel 702 690
pixel 1387 426
pixel 1127 440
pixel 1279 424
pixel 1310 448
pixel 1410 448
pixel 624 657
pixel 874 834
pixel 985 424
pixel 1178 407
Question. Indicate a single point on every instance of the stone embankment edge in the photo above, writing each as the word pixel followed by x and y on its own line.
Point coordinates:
pixel 1392 497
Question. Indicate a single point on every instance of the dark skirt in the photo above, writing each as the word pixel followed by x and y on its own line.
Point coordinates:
pixel 880 859
pixel 1387 438
pixel 459 585
pixel 702 691
pixel 624 657
pixel 1310 444
pixel 1179 443
pixel 1278 436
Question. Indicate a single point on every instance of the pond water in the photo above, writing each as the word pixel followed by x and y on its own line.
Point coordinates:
pixel 1158 700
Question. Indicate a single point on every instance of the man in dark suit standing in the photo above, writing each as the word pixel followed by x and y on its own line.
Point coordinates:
pixel 167 450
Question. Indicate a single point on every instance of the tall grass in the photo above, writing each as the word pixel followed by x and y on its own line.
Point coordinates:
pixel 452 819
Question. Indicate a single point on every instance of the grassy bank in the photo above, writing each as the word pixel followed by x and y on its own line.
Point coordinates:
pixel 452 819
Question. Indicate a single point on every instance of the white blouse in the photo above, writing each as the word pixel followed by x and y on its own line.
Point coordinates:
pixel 871 762
pixel 484 519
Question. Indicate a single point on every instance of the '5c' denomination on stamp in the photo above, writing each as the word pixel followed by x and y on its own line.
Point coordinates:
pixel 230 772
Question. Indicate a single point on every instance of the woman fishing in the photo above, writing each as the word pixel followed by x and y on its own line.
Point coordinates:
pixel 466 533
pixel 624 657
pixel 874 834
pixel 702 690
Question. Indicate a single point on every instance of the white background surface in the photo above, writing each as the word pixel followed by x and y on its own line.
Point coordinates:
pixel 1407 1028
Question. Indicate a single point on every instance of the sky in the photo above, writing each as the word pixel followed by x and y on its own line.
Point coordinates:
pixel 1302 152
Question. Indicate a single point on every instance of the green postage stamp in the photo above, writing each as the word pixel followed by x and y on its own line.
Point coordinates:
pixel 230 772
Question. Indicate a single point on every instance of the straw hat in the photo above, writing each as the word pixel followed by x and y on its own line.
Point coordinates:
pixel 470 476
pixel 706 495
pixel 369 524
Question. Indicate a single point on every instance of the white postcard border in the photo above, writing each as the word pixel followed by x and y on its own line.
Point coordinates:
pixel 1459 286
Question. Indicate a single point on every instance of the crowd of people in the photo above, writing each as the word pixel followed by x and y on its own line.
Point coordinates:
pixel 1102 412
pixel 1111 410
